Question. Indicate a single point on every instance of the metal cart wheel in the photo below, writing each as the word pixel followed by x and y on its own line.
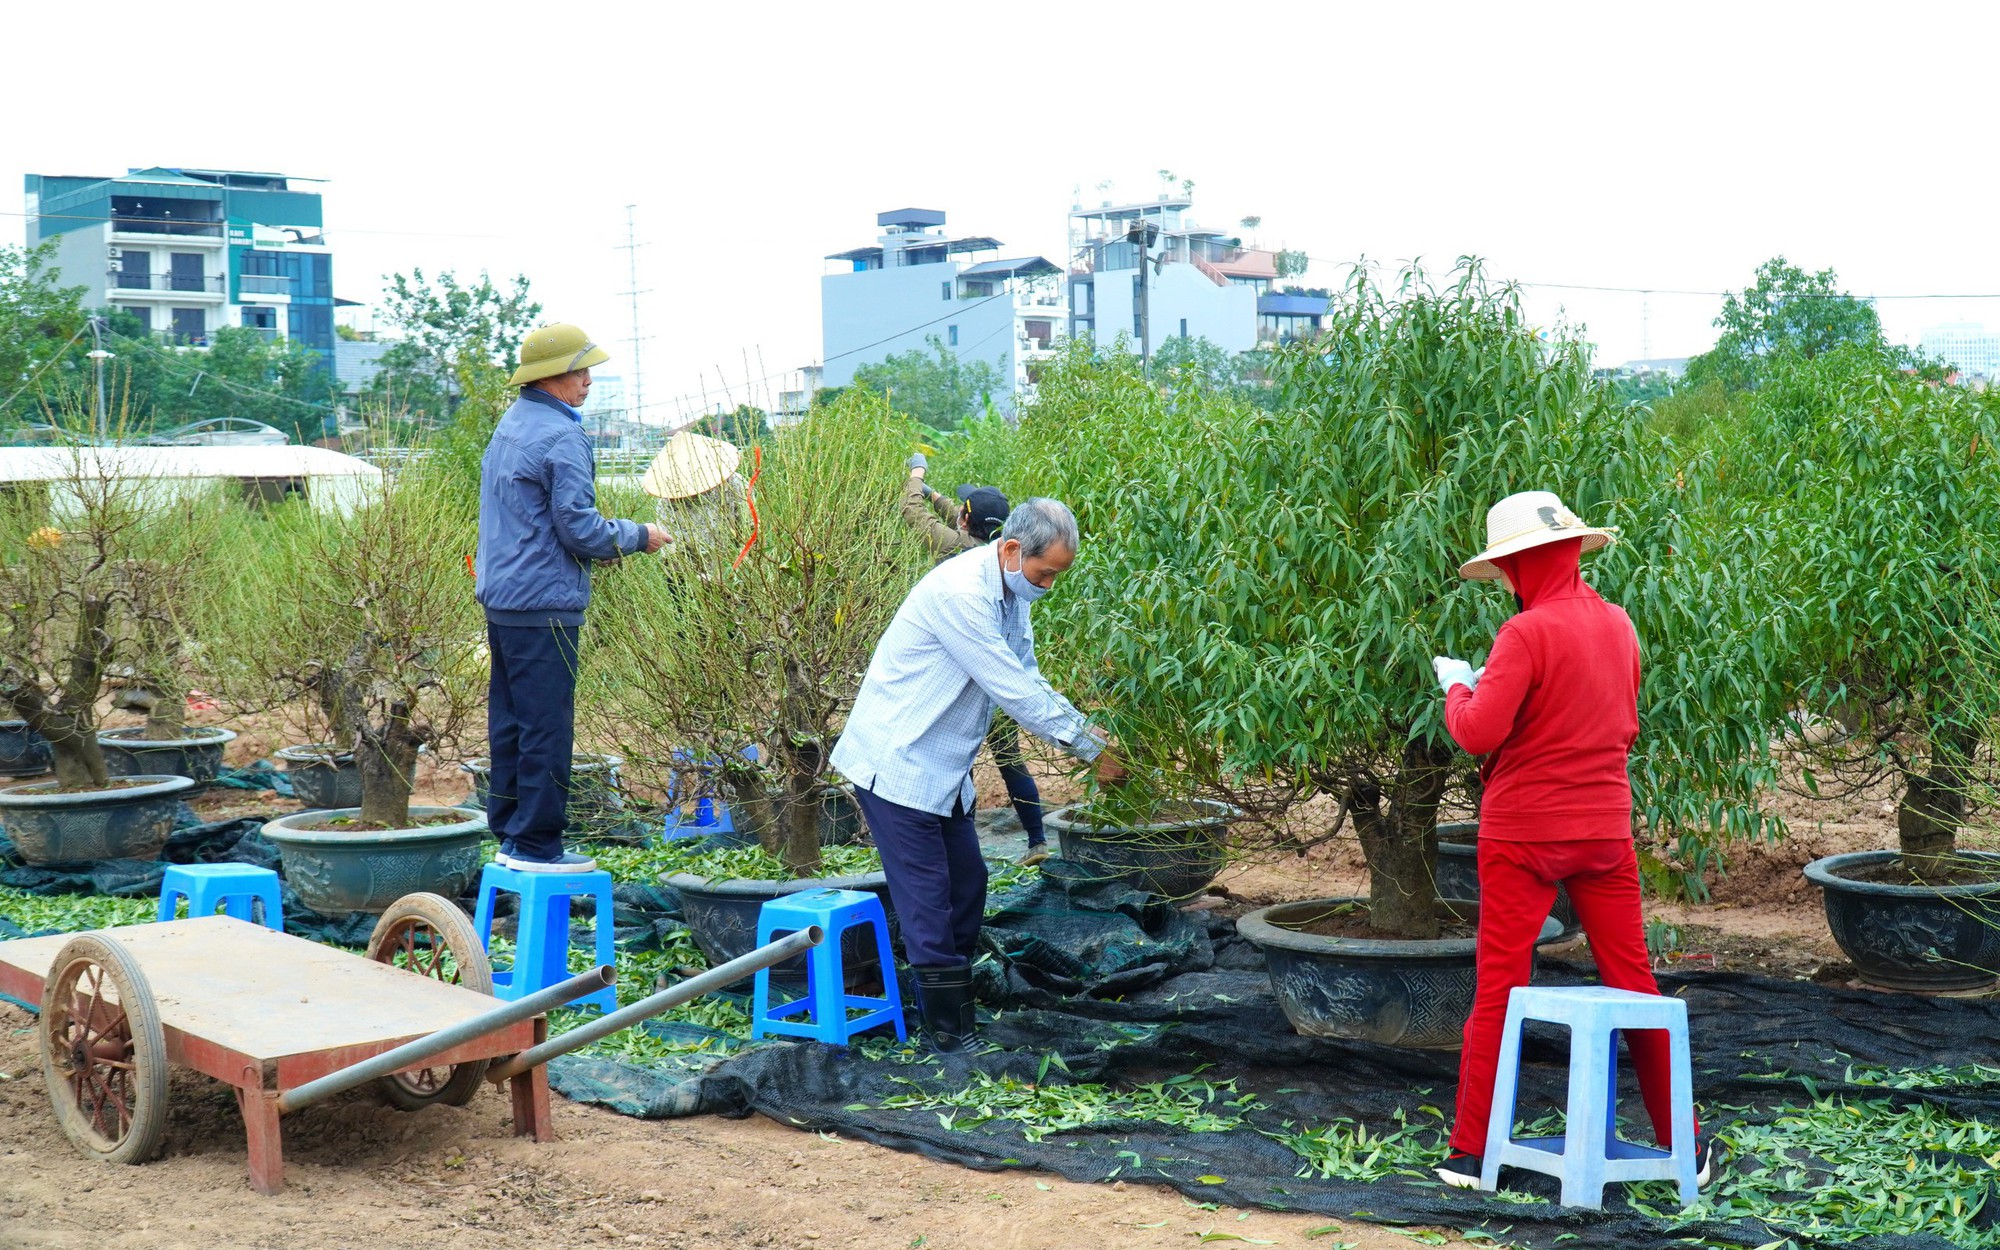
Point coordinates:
pixel 104 1054
pixel 427 934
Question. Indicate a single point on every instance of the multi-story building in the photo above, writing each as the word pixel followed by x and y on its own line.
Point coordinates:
pixel 1969 346
pixel 917 283
pixel 187 251
pixel 1200 282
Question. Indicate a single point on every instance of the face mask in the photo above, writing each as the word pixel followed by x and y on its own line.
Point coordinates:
pixel 1017 581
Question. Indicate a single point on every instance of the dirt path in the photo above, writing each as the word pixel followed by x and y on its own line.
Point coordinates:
pixel 363 1175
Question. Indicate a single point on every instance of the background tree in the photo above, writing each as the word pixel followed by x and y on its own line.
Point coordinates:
pixel 1786 311
pixel 935 387
pixel 38 318
pixel 455 337
pixel 742 425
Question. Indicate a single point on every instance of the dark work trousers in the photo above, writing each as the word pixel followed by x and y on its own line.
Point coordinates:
pixel 1602 877
pixel 1004 740
pixel 530 731
pixel 937 878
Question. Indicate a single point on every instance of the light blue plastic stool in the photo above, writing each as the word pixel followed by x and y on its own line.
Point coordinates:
pixel 826 1003
pixel 236 887
pixel 1589 1155
pixel 711 815
pixel 541 934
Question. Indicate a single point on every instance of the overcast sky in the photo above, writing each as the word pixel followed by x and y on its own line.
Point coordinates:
pixel 1661 146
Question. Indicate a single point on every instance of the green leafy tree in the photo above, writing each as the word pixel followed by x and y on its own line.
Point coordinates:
pixel 38 318
pixel 742 425
pixel 935 387
pixel 1786 311
pixel 1200 359
pixel 456 337
pixel 1259 593
pixel 1870 498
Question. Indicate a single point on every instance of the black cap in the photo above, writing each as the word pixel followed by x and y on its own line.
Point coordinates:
pixel 989 510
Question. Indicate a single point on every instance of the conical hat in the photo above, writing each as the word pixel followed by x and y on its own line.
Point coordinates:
pixel 690 464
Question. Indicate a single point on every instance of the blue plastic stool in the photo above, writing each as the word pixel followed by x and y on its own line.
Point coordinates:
pixel 711 815
pixel 541 936
pixel 826 1003
pixel 1589 1155
pixel 236 887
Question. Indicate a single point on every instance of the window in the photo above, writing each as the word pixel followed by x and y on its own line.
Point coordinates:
pixel 951 336
pixel 947 289
pixel 189 326
pixel 185 271
pixel 144 316
pixel 1038 332
pixel 135 269
pixel 1183 327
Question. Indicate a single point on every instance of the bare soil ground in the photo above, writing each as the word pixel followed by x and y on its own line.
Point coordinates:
pixel 360 1175
pixel 364 1175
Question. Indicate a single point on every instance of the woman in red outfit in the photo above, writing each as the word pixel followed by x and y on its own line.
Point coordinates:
pixel 1555 712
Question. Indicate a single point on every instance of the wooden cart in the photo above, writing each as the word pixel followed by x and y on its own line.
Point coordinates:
pixel 263 1012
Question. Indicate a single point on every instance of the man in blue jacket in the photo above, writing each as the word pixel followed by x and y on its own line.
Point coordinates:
pixel 539 532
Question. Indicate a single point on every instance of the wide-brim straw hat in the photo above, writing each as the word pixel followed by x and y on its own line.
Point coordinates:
pixel 552 350
pixel 690 464
pixel 1531 518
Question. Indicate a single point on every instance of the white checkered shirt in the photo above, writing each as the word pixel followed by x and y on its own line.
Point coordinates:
pixel 959 646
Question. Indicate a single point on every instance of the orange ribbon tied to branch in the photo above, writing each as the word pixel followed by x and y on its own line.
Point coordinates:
pixel 750 497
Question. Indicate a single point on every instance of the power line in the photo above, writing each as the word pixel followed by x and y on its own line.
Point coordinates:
pixel 60 352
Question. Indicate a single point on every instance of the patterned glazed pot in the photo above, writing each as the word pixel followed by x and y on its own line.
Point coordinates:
pixel 1912 937
pixel 23 752
pixel 127 823
pixel 1458 874
pixel 1399 993
pixel 130 753
pixel 722 915
pixel 339 870
pixel 322 777
pixel 1173 859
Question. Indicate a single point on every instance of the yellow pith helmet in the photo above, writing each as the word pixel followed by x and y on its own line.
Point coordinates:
pixel 552 350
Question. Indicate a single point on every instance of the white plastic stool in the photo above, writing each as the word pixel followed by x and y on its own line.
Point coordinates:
pixel 1589 1155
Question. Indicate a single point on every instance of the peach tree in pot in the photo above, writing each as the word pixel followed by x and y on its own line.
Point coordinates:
pixel 73 563
pixel 382 654
pixel 1880 527
pixel 734 644
pixel 1260 592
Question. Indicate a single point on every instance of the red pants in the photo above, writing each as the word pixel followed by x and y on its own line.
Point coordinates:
pixel 1517 885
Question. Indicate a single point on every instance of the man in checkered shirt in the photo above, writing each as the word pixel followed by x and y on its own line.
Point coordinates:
pixel 960 645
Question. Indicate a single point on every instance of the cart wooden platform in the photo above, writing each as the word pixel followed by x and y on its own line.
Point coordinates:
pixel 261 1011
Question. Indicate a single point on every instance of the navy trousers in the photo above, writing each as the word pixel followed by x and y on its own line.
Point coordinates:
pixel 1004 740
pixel 937 877
pixel 530 733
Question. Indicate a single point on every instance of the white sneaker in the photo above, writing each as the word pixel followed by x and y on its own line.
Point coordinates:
pixel 568 861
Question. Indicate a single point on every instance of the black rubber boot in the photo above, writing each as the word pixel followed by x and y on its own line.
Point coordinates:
pixel 946 994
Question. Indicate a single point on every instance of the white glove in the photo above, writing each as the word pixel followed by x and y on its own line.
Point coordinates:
pixel 1452 672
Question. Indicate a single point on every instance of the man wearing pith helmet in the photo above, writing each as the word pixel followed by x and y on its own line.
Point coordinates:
pixel 539 533
pixel 1554 711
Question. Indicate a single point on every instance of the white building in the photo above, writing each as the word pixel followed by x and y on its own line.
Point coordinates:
pixel 1970 346
pixel 185 252
pixel 916 283
pixel 1199 283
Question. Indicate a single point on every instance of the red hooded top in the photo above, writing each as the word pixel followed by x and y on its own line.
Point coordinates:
pixel 1557 709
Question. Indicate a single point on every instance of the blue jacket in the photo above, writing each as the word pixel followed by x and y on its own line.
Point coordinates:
pixel 539 527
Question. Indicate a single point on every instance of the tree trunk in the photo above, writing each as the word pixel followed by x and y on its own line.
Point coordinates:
pixel 754 810
pixel 804 762
pixel 1400 845
pixel 79 759
pixel 388 765
pixel 1933 807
